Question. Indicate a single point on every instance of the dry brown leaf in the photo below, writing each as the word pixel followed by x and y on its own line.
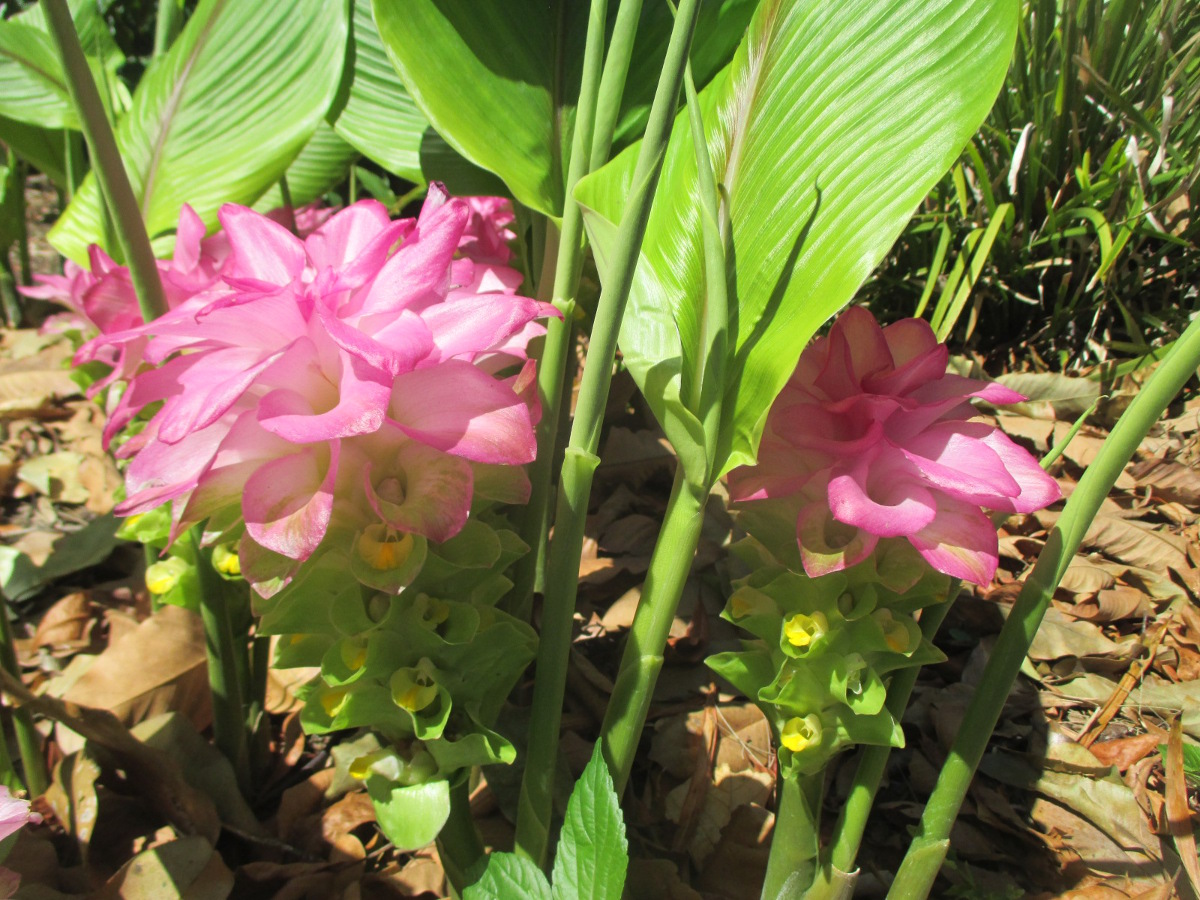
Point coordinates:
pixel 418 876
pixel 30 387
pixel 738 865
pixel 1111 606
pixel 1137 545
pixel 1169 479
pixel 728 791
pixel 1085 577
pixel 351 811
pixel 1124 752
pixel 72 796
pixel 159 667
pixel 1060 637
pixel 1178 814
pixel 67 625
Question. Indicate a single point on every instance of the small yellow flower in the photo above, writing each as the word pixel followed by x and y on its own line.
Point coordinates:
pixel 354 653
pixel 898 636
pixel 748 601
pixel 333 701
pixel 799 734
pixel 165 574
pixel 383 548
pixel 225 560
pixel 802 630
pixel 414 687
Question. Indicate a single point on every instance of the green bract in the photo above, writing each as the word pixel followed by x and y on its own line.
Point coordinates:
pixel 824 646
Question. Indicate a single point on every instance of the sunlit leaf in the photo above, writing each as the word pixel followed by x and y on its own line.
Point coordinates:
pixel 321 166
pixel 825 131
pixel 221 116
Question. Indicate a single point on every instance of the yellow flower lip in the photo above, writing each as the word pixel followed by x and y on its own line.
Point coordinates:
pixel 803 630
pixel 383 548
pixel 748 601
pixel 226 561
pixel 333 701
pixel 414 687
pixel 798 734
pixel 354 654
pixel 164 575
pixel 897 636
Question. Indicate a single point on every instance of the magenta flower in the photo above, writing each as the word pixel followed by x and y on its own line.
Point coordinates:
pixel 333 382
pixel 872 439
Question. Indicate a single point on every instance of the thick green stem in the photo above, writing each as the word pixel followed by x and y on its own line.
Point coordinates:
pixel 167 25
pixel 8 772
pixel 106 162
pixel 643 656
pixel 835 880
pixel 559 332
pixel 22 175
pixel 580 459
pixel 928 850
pixel 793 857
pixel 226 663
pixel 29 742
pixel 612 84
pixel 8 292
pixel 459 847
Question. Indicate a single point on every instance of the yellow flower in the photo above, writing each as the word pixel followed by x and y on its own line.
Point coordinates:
pixel 799 734
pixel 803 630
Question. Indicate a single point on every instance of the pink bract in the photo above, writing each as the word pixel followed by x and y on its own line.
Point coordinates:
pixel 14 813
pixel 360 375
pixel 872 439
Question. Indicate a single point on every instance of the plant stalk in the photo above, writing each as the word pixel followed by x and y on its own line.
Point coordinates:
pixel 643 657
pixel 167 25
pixel 535 526
pixel 226 665
pixel 928 850
pixel 837 874
pixel 29 742
pixel 106 162
pixel 458 844
pixel 794 841
pixel 580 460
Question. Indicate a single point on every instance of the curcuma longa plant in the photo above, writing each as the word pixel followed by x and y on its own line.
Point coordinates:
pixel 343 410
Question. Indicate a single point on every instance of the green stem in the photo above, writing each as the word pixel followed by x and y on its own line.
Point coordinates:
pixel 643 656
pixel 792 861
pixel 612 84
pixel 928 850
pixel 29 742
pixel 167 25
pixel 22 174
pixel 835 880
pixel 289 211
pixel 8 772
pixel 535 527
pixel 459 847
pixel 8 292
pixel 580 459
pixel 224 664
pixel 106 162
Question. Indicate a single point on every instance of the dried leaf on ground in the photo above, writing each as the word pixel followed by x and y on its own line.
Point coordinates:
pixel 160 667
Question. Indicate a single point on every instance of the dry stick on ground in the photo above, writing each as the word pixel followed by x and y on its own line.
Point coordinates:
pixel 1179 816
pixel 158 776
pixel 1096 725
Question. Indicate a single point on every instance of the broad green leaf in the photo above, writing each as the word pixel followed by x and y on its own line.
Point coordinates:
pixel 508 876
pixel 374 113
pixel 592 855
pixel 33 89
pixel 220 117
pixel 485 75
pixel 43 148
pixel 32 86
pixel 825 131
pixel 321 166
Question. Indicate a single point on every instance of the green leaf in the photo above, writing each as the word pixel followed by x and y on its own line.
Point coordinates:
pixel 43 148
pixel 320 167
pixel 507 876
pixel 32 86
pixel 220 117
pixel 485 75
pixel 410 816
pixel 374 113
pixel 825 132
pixel 592 856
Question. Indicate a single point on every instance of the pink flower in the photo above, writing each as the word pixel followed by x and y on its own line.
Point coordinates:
pixel 332 382
pixel 871 438
pixel 14 813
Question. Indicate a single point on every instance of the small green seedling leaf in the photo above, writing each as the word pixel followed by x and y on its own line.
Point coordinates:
pixel 593 855
pixel 508 875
